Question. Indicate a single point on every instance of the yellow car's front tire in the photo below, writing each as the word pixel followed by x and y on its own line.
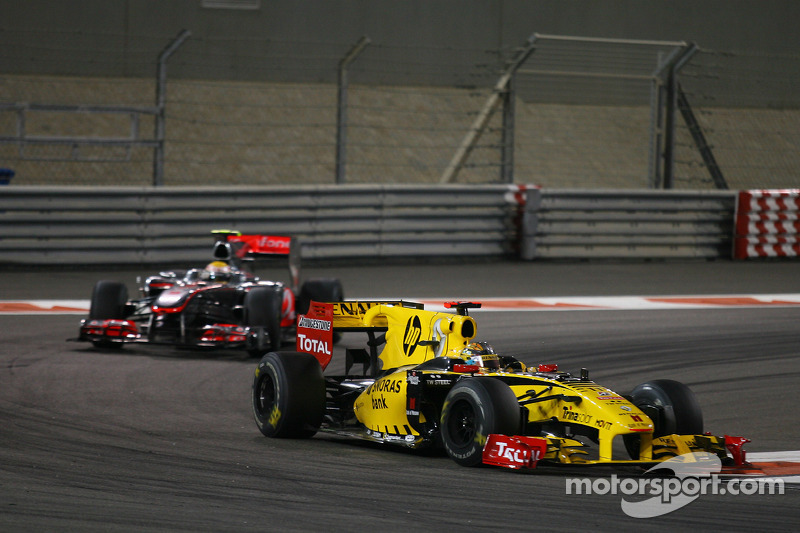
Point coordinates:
pixel 671 405
pixel 474 409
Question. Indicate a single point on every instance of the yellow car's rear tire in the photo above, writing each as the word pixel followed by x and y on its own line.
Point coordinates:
pixel 288 395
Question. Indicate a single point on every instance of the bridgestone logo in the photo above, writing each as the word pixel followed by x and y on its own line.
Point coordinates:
pixel 313 323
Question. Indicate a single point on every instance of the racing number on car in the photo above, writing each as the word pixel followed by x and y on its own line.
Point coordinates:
pixel 412 335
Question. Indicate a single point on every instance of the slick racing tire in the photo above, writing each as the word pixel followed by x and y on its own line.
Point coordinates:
pixel 671 405
pixel 474 409
pixel 288 395
pixel 108 302
pixel 319 290
pixel 262 314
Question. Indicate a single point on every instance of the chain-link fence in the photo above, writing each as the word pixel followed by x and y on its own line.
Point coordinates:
pixel 588 114
pixel 76 131
pixel 98 131
pixel 582 116
pixel 748 108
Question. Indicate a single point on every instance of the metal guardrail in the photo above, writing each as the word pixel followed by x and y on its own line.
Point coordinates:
pixel 625 224
pixel 160 225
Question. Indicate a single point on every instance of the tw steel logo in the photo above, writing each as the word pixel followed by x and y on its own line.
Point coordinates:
pixel 412 335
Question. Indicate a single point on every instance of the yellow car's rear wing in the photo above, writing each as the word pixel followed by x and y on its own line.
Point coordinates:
pixel 315 329
pixel 349 315
pixel 413 335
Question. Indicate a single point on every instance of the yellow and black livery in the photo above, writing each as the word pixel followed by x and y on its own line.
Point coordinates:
pixel 419 384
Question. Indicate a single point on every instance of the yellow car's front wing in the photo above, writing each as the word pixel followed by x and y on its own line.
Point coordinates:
pixel 525 452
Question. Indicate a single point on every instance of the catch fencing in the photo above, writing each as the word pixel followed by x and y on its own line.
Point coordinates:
pixel 573 112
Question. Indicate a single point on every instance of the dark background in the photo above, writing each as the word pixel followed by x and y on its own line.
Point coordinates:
pixel 121 38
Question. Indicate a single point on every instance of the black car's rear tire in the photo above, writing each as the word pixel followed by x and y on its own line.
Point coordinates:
pixel 288 395
pixel 262 314
pixel 319 290
pixel 474 409
pixel 108 302
pixel 671 405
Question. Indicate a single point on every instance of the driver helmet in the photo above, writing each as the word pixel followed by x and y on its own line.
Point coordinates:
pixel 481 354
pixel 217 271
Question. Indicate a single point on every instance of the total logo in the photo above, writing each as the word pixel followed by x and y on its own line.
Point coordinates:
pixel 310 345
pixel 515 454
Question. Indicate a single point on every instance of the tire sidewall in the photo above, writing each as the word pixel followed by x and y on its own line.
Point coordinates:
pixel 263 310
pixel 319 290
pixel 680 411
pixel 299 395
pixel 495 412
pixel 270 420
pixel 108 300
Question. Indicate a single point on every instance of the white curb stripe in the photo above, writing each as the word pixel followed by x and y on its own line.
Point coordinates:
pixel 515 304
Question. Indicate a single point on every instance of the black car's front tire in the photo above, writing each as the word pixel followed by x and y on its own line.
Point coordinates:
pixel 108 303
pixel 108 300
pixel 474 409
pixel 288 395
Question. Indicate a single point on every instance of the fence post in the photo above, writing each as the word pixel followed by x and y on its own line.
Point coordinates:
pixel 476 130
pixel 699 139
pixel 507 143
pixel 161 101
pixel 658 106
pixel 341 108
pixel 685 55
pixel 664 103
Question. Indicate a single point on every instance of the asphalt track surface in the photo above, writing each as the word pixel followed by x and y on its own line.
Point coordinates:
pixel 156 439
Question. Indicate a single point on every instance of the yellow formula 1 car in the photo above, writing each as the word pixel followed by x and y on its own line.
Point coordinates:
pixel 431 384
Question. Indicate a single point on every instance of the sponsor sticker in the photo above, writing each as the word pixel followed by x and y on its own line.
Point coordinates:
pixel 315 332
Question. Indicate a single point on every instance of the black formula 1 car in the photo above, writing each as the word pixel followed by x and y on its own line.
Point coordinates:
pixel 224 305
pixel 433 385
